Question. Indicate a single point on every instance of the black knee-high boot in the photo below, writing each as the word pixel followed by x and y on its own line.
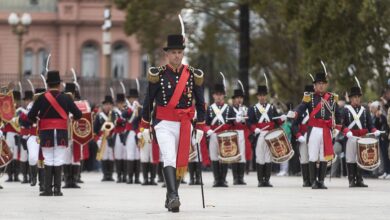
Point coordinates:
pixel 16 170
pixel 24 171
pixel 57 181
pixel 67 176
pixel 235 173
pixel 75 171
pixel 145 173
pixel 41 179
pixel 118 168
pixel 322 175
pixel 152 170
pixel 137 171
pixel 160 176
pixel 224 170
pixel 191 171
pixel 124 171
pixel 267 174
pixel 305 175
pixel 48 181
pixel 130 171
pixel 359 177
pixel 33 174
pixel 216 173
pixel 173 202
pixel 351 174
pixel 241 173
pixel 260 174
pixel 313 175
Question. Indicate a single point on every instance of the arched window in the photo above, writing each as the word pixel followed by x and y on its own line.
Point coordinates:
pixel 120 61
pixel 89 60
pixel 28 62
pixel 42 59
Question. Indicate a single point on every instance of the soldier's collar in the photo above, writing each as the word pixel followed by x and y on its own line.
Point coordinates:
pixel 176 70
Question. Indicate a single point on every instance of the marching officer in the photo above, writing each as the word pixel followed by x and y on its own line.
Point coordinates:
pixel 120 153
pixel 173 87
pixel 323 115
pixel 106 117
pixel 52 108
pixel 299 130
pixel 218 117
pixel 261 121
pixel 356 123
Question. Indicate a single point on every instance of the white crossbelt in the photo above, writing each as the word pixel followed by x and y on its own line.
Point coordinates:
pixel 356 117
pixel 306 118
pixel 218 113
pixel 264 112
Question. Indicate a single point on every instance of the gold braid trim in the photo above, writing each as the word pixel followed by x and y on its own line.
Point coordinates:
pixel 306 97
pixel 181 172
pixel 198 75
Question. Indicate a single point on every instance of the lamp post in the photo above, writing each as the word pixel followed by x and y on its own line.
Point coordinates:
pixel 20 27
pixel 106 27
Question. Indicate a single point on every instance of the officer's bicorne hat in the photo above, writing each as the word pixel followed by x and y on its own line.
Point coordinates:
pixel 16 95
pixel 262 90
pixel 175 41
pixel 133 93
pixel 120 97
pixel 309 88
pixel 219 88
pixel 28 95
pixel 238 93
pixel 53 77
pixel 320 77
pixel 70 87
pixel 108 100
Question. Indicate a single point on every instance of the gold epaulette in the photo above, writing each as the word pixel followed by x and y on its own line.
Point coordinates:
pixel 335 97
pixel 198 75
pixel 306 97
pixel 70 95
pixel 154 74
pixel 36 96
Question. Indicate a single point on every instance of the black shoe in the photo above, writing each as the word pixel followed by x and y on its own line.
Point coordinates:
pixel 48 181
pixel 173 201
pixel 57 181
pixel 351 171
pixel 260 174
pixel 305 175
pixel 359 178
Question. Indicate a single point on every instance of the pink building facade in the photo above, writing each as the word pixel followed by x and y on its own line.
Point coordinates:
pixel 71 31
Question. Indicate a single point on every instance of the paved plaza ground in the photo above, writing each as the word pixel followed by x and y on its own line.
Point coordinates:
pixel 286 200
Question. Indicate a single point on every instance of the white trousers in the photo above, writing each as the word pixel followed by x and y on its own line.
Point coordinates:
pixel 119 149
pixel 303 152
pixel 316 145
pixel 168 133
pixel 108 154
pixel 263 154
pixel 132 150
pixel 146 154
pixel 10 139
pixel 33 150
pixel 69 159
pixel 351 150
pixel 54 156
pixel 241 145
pixel 213 147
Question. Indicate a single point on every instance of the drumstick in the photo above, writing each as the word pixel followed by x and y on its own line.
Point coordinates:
pixel 217 128
pixel 372 133
pixel 277 117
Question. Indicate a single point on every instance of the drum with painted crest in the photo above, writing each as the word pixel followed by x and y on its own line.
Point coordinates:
pixel 279 145
pixel 228 147
pixel 368 153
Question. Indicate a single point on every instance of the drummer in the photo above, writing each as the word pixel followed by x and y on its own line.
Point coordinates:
pixel 217 118
pixel 261 121
pixel 356 123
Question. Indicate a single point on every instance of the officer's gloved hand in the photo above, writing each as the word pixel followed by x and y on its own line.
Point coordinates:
pixel 238 118
pixel 377 133
pixel 349 134
pixel 291 114
pixel 302 139
pixel 210 132
pixel 257 131
pixel 146 135
pixel 283 117
pixel 139 135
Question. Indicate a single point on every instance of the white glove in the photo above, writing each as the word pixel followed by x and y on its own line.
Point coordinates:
pixel 257 131
pixel 210 132
pixel 139 135
pixel 1 134
pixel 302 139
pixel 377 133
pixel 291 114
pixel 146 135
pixel 283 117
pixel 198 137
pixel 335 132
pixel 349 134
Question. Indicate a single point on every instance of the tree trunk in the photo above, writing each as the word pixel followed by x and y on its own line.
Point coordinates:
pixel 244 49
